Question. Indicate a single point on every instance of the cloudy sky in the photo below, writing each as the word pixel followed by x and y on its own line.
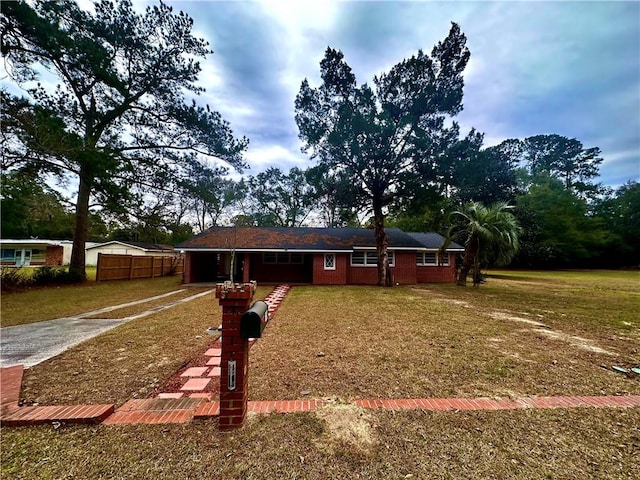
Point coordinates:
pixel 571 68
pixel 565 67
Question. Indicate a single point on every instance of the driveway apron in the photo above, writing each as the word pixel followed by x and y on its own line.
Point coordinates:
pixel 36 342
pixel 33 343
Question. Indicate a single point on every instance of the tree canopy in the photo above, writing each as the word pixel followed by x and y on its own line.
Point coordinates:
pixel 490 234
pixel 116 115
pixel 376 136
pixel 281 200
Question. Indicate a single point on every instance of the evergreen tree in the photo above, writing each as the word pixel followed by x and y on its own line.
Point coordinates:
pixel 117 115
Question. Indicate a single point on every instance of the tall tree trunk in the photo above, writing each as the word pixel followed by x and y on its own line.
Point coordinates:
pixel 384 273
pixel 81 231
pixel 469 259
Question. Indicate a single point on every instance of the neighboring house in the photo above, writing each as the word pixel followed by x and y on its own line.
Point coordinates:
pixel 35 252
pixel 319 256
pixel 127 248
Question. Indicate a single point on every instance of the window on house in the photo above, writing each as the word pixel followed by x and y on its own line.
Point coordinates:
pixel 8 254
pixel 295 258
pixel 282 258
pixel 329 261
pixel 370 259
pixel 431 258
pixel 357 258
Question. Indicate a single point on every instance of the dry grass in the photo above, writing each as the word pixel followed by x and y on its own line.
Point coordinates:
pixel 146 306
pixel 363 342
pixel 129 361
pixel 443 341
pixel 558 444
pixel 54 302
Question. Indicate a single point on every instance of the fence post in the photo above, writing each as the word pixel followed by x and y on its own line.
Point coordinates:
pixel 130 267
pixel 98 267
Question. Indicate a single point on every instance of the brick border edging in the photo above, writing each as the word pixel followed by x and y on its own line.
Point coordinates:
pixel 13 415
pixel 175 411
pixel 210 409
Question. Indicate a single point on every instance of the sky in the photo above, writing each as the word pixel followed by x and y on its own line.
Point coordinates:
pixel 570 68
pixel 564 67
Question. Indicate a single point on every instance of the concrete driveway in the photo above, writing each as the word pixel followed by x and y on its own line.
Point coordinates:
pixel 33 343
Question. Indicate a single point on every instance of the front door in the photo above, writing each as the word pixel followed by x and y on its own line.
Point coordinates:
pixel 23 258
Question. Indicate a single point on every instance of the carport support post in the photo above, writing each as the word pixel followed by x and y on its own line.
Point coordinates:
pixel 234 375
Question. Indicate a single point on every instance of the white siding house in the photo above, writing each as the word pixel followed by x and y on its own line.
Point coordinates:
pixel 127 248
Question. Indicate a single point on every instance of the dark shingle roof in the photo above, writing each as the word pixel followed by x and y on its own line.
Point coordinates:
pixel 295 238
pixel 433 241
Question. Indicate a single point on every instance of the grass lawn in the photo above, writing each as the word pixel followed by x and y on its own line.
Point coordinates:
pixel 521 333
pixel 341 443
pixel 40 304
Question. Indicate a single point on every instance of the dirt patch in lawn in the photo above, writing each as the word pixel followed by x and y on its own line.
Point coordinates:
pixel 508 316
pixel 575 341
pixel 346 427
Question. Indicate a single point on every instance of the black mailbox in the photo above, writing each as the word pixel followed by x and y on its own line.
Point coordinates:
pixel 254 320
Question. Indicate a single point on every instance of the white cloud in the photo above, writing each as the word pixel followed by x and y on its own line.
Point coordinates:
pixel 264 157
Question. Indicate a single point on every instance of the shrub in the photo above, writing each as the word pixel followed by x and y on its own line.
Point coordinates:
pixel 14 278
pixel 54 275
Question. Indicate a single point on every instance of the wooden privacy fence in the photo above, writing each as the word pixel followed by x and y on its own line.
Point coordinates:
pixel 129 267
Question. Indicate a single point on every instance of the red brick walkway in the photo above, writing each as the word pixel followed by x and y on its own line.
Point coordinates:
pixel 173 407
pixel 202 380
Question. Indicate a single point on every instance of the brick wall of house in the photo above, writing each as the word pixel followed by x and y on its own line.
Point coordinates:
pixel 437 274
pixel 362 275
pixel 404 271
pixel 330 277
pixel 54 255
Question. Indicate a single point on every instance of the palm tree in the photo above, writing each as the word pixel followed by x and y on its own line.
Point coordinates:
pixel 491 236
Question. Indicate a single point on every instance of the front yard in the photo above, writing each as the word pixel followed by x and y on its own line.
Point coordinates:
pixel 520 334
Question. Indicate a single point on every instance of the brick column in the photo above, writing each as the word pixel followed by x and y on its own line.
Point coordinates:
pixel 235 300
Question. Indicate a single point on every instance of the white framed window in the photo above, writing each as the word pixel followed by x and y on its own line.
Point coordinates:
pixel 432 258
pixel 369 259
pixel 329 261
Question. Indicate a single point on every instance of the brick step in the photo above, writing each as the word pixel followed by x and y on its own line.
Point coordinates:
pixel 155 410
pixel 28 416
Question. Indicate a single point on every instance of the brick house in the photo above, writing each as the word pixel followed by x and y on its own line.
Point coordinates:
pixel 34 252
pixel 319 256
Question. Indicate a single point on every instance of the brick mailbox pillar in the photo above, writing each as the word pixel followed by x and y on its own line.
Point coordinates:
pixel 234 362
